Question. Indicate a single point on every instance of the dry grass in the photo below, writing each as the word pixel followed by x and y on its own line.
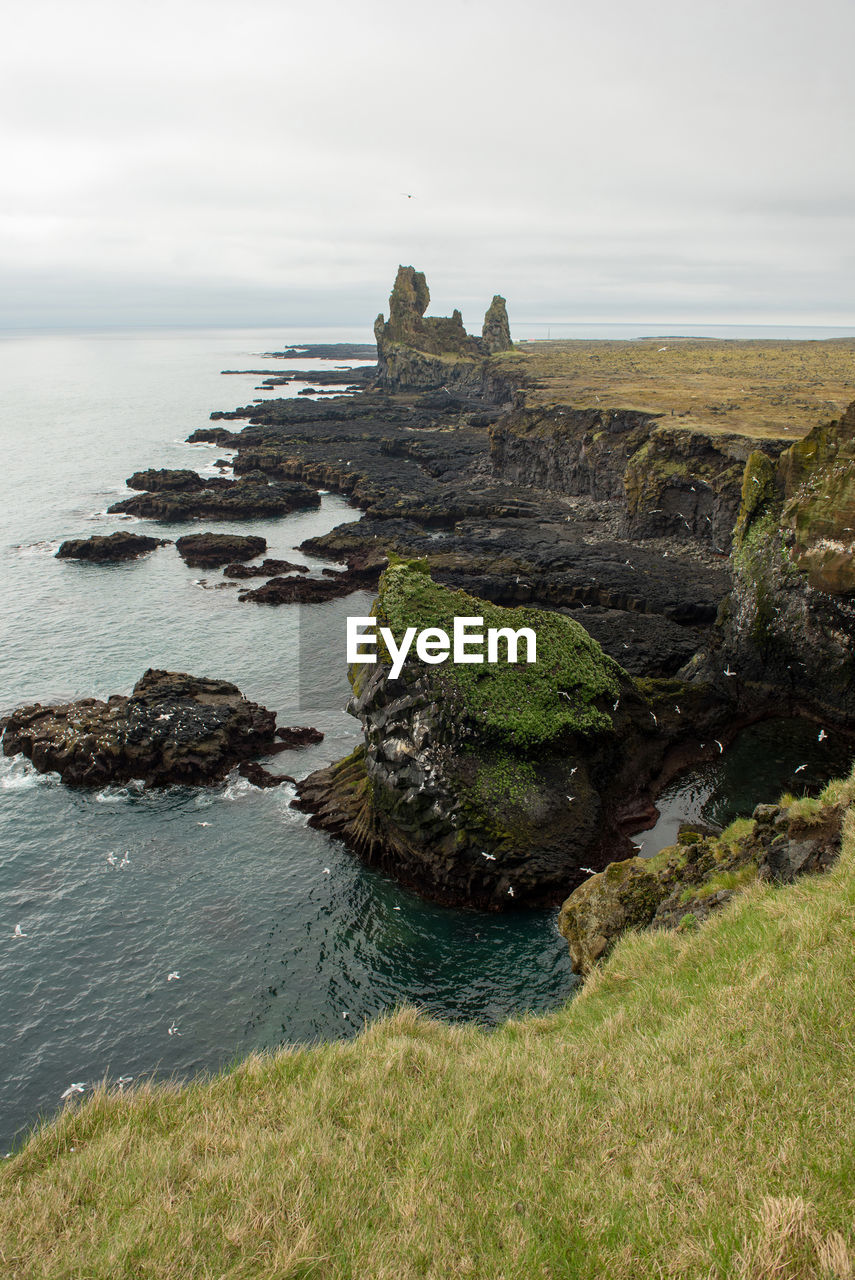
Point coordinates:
pixel 756 388
pixel 690 1114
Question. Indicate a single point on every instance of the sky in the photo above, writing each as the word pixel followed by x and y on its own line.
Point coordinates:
pixel 216 162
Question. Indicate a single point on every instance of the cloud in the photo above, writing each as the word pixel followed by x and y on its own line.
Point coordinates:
pixel 627 161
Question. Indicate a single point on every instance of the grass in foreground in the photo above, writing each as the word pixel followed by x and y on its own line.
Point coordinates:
pixel 757 388
pixel 690 1114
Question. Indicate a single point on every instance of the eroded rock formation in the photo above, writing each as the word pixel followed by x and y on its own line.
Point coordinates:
pixel 417 350
pixel 102 549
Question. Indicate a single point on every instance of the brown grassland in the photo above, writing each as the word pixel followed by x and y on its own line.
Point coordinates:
pixel 759 388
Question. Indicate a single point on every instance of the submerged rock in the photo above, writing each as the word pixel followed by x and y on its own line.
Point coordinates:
pixel 103 548
pixel 266 569
pixel 207 550
pixel 174 728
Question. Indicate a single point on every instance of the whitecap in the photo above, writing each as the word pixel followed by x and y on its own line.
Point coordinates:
pixel 48 547
pixel 18 774
pixel 238 788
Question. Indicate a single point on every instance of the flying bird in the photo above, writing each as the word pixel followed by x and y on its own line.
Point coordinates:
pixel 327 871
pixel 78 1087
pixel 510 890
pixel 408 195
pixel 720 747
pixel 126 862
pixel 112 859
pixel 821 737
pixel 799 769
pixel 122 1081
pixel 491 857
pixel 677 709
pixel 173 976
pixel 728 672
pixel 588 870
pixel 173 1031
pixel 570 799
pixel 655 721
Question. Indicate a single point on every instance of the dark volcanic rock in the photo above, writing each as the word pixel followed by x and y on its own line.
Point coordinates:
pixel 103 548
pixel 174 728
pixel 221 499
pixel 156 480
pixel 268 568
pixel 259 776
pixel 316 590
pixel 299 736
pixel 210 549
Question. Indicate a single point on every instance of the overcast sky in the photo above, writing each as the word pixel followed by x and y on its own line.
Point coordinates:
pixel 246 163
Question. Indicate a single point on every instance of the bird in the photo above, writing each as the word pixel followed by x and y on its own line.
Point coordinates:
pixel 396 908
pixel 655 721
pixel 173 976
pixel 562 694
pixel 720 747
pixel 510 890
pixel 345 1014
pixel 122 1081
pixel 821 737
pixel 19 932
pixel 570 799
pixel 112 859
pixel 799 769
pixel 77 1087
pixel 573 770
pixel 491 857
pixel 327 871
pixel 754 478
pixel 126 862
pixel 173 1031
pixel 728 672
pixel 203 824
pixel 409 197
pixel 639 844
pixel 662 348
pixel 588 871
pixel 677 709
pixel 616 705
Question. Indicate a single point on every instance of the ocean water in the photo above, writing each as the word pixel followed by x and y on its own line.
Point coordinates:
pixel 278 933
pixel 226 885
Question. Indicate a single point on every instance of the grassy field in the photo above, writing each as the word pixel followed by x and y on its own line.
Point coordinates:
pixel 690 1114
pixel 758 388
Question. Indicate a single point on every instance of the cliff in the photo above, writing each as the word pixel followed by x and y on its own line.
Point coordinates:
pixel 415 350
pixel 789 621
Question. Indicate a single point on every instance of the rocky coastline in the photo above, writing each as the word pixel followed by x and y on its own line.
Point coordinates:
pixel 704 569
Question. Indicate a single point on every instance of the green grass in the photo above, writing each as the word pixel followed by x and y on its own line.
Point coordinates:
pixel 517 704
pixel 689 1114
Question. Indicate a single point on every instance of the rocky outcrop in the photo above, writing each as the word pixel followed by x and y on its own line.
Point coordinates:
pixel 682 885
pixel 156 480
pixel 491 784
pixel 415 350
pixel 220 499
pixel 174 728
pixel 789 621
pixel 360 575
pixel 267 569
pixel 207 550
pixel 103 549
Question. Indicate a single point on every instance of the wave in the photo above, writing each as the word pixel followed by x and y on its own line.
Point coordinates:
pixel 18 774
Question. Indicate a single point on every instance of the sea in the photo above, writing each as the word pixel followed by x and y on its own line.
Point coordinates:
pixel 168 933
